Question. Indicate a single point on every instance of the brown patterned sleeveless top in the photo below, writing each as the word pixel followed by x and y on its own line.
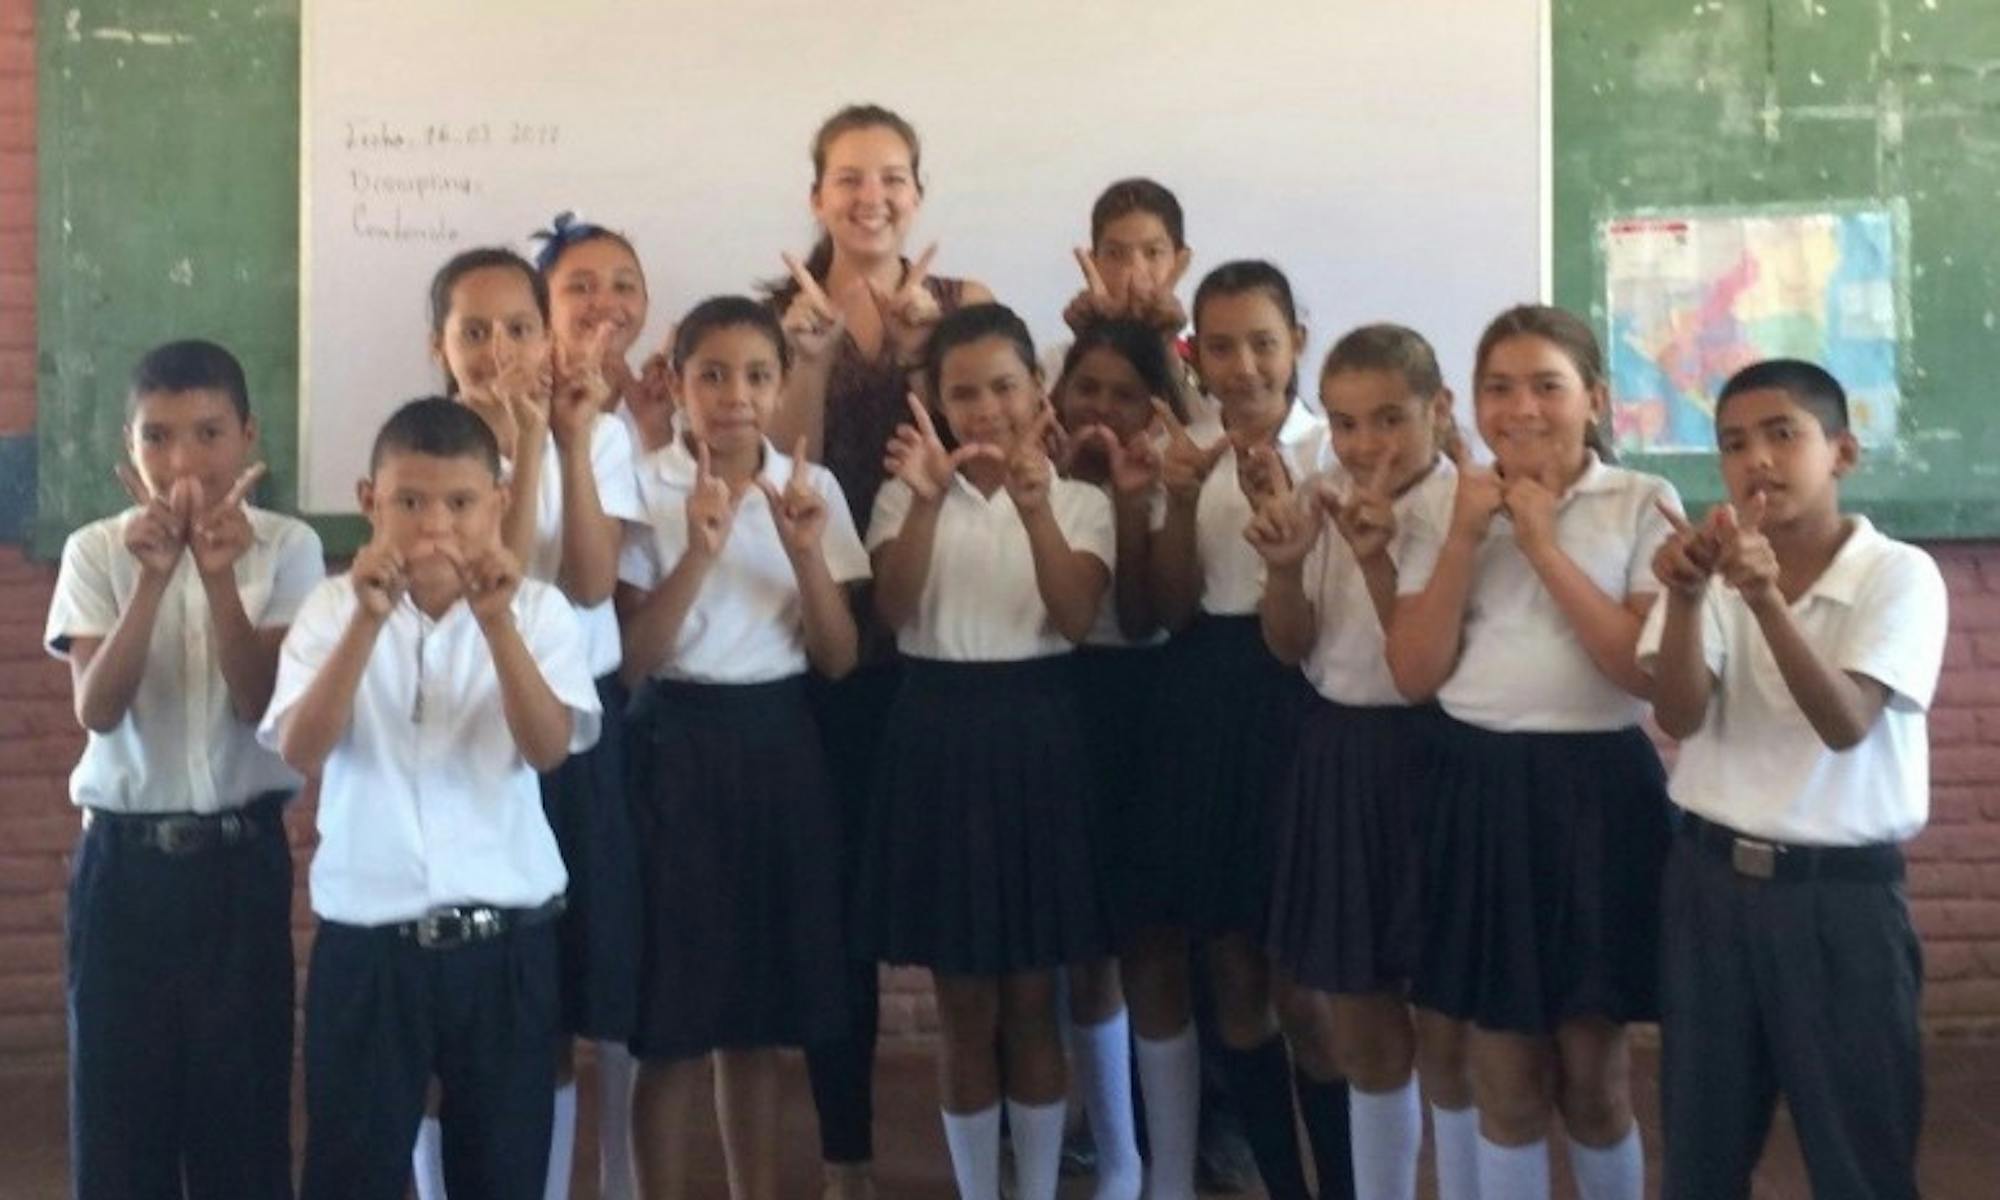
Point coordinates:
pixel 865 401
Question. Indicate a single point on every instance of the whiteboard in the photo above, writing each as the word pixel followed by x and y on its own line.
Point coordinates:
pixel 1390 155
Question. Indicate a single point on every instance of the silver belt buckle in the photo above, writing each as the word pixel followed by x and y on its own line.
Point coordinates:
pixel 443 929
pixel 179 835
pixel 1758 860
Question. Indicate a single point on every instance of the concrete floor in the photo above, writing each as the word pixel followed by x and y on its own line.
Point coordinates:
pixel 1961 1152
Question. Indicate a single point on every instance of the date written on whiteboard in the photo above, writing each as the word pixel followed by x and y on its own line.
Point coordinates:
pixel 375 133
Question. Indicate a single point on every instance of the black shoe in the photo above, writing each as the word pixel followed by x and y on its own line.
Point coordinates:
pixel 1079 1153
pixel 1223 1163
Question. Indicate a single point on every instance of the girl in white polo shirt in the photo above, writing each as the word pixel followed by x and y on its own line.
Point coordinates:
pixel 1226 715
pixel 1110 377
pixel 1548 820
pixel 732 591
pixel 1344 919
pixel 977 857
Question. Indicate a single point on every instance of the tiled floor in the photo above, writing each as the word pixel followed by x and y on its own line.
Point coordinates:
pixel 1961 1151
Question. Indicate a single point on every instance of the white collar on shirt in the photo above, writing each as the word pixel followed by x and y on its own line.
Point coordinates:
pixel 1841 581
pixel 674 463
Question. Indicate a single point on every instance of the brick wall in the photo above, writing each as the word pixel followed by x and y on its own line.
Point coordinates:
pixel 1955 879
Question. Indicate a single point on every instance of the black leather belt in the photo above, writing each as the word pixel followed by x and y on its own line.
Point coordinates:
pixel 1786 862
pixel 179 834
pixel 462 924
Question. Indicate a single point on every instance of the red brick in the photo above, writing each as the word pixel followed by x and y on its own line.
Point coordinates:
pixel 17 288
pixel 1954 726
pixel 1963 997
pixel 1980 843
pixel 1944 880
pixel 1967 764
pixel 1958 652
pixel 1955 804
pixel 1958 920
pixel 1976 612
pixel 1969 688
pixel 26 1039
pixel 30 992
pixel 17 208
pixel 17 132
pixel 31 873
pixel 1989 958
pixel 31 912
pixel 1952 960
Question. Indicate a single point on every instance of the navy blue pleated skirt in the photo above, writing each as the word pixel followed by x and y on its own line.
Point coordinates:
pixel 1344 891
pixel 1225 721
pixel 587 808
pixel 741 862
pixel 977 856
pixel 1115 689
pixel 1542 863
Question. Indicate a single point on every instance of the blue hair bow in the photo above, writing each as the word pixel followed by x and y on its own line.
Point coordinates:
pixel 564 231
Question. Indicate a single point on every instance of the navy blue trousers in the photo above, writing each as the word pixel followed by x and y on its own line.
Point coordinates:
pixel 1808 988
pixel 179 981
pixel 384 1016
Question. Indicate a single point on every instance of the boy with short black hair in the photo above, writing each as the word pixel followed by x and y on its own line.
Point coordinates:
pixel 1799 688
pixel 170 615
pixel 426 688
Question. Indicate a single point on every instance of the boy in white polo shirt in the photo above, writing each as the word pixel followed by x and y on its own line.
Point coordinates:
pixel 1795 656
pixel 179 918
pixel 427 687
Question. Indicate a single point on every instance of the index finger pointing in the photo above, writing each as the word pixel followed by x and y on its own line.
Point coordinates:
pixel 923 416
pixel 808 286
pixel 241 488
pixel 1091 278
pixel 1673 518
pixel 920 270
pixel 135 486
pixel 1382 476
pixel 1753 513
pixel 1165 414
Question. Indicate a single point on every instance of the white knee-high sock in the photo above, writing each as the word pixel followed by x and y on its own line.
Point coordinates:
pixel 1616 1172
pixel 427 1160
pixel 1170 1080
pixel 1101 1055
pixel 1455 1131
pixel 1037 1130
pixel 974 1139
pixel 1514 1172
pixel 616 1177
pixel 1386 1130
pixel 562 1144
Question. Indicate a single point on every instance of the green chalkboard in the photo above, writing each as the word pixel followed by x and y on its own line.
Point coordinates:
pixel 1797 104
pixel 168 143
pixel 169 203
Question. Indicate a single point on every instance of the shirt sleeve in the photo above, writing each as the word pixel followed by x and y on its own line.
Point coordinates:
pixel 1419 543
pixel 1896 633
pixel 611 462
pixel 554 637
pixel 846 558
pixel 85 603
pixel 1086 522
pixel 1714 642
pixel 1651 532
pixel 315 630
pixel 892 508
pixel 299 567
pixel 639 558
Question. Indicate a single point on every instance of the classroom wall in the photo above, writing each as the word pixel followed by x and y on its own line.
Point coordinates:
pixel 1955 876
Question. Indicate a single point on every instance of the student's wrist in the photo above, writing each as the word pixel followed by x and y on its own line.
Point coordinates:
pixel 496 624
pixel 1291 574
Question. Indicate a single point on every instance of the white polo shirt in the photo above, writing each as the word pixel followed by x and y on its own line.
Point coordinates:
pixel 181 746
pixel 1520 665
pixel 1349 661
pixel 611 463
pixel 1755 764
pixel 1232 572
pixel 980 602
pixel 745 625
pixel 426 800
